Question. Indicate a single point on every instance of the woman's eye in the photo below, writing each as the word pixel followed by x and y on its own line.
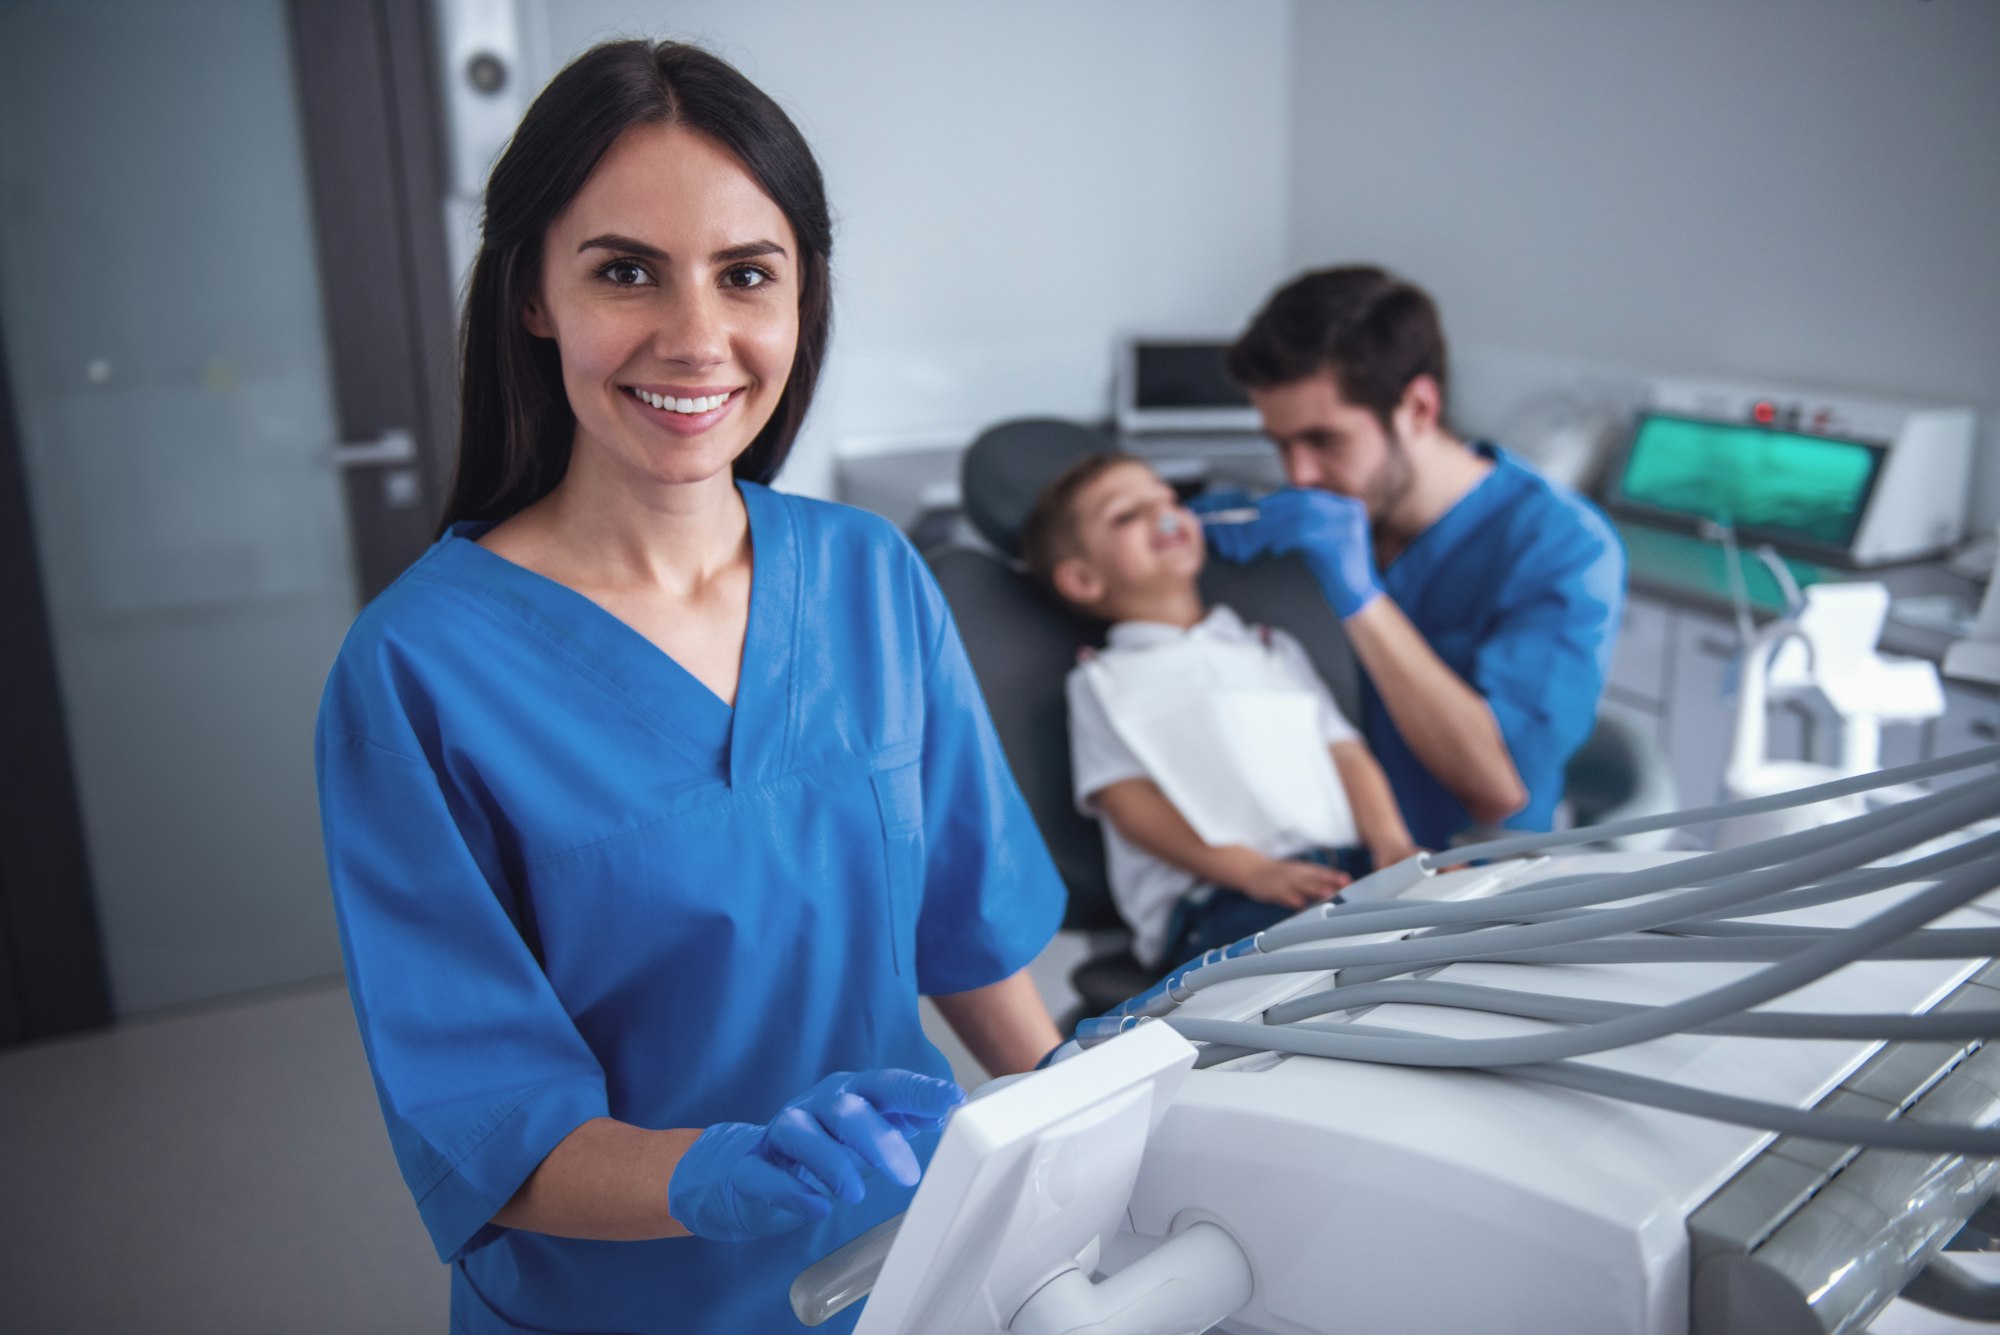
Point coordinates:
pixel 625 273
pixel 747 276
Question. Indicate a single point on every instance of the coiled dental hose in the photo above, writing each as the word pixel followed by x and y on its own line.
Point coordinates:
pixel 1684 910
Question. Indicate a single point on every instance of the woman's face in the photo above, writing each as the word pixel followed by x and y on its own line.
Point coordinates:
pixel 671 288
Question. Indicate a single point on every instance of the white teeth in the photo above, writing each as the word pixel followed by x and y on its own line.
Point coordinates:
pixel 674 405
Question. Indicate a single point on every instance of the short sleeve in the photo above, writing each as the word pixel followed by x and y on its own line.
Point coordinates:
pixel 1098 757
pixel 1542 666
pixel 992 896
pixel 479 1070
pixel 1334 727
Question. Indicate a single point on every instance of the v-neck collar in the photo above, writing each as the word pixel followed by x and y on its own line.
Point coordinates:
pixel 738 744
pixel 1456 524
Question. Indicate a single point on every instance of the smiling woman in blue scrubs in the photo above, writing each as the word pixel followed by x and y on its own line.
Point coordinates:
pixel 653 798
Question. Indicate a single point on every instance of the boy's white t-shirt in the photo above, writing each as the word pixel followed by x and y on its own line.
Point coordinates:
pixel 1145 888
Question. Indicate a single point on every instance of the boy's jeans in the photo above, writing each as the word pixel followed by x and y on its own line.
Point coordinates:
pixel 1214 915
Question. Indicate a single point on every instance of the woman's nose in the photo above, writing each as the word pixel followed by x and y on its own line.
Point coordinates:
pixel 693 331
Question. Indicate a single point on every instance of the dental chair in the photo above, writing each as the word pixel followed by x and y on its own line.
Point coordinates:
pixel 1022 643
pixel 1620 772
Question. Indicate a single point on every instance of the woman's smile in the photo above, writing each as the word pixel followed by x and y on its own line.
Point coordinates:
pixel 678 409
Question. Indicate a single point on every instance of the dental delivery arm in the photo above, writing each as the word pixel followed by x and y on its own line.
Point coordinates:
pixel 1375 815
pixel 1448 725
pixel 1142 813
pixel 1005 1025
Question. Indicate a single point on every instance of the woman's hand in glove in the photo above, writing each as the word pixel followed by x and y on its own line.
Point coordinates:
pixel 739 1180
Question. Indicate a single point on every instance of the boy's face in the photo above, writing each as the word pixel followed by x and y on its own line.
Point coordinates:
pixel 1134 539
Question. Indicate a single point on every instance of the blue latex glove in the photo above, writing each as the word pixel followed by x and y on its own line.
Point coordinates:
pixel 1330 531
pixel 739 1180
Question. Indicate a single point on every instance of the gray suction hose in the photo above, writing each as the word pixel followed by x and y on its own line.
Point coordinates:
pixel 1961 1025
pixel 1392 916
pixel 1845 1130
pixel 1691 909
pixel 1926 819
pixel 1799 969
pixel 1515 845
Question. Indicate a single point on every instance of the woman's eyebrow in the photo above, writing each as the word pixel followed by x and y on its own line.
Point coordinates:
pixel 612 241
pixel 746 250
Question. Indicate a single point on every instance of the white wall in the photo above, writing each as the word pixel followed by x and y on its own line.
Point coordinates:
pixel 1012 185
pixel 1799 191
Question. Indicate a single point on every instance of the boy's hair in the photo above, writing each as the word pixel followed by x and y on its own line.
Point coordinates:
pixel 1048 535
pixel 1374 331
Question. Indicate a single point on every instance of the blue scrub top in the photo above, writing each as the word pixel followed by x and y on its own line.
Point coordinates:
pixel 1520 589
pixel 572 883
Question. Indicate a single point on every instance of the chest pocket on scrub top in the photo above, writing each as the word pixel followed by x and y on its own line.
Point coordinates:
pixel 899 799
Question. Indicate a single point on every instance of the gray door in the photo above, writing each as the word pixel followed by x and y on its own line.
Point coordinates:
pixel 225 316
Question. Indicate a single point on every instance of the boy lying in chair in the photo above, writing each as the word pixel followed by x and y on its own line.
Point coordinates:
pixel 1233 791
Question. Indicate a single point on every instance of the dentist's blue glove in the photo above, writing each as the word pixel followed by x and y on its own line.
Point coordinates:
pixel 1329 531
pixel 739 1180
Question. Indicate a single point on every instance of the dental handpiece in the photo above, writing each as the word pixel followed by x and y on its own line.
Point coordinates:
pixel 1242 514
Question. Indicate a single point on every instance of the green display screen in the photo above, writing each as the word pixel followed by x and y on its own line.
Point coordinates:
pixel 1783 483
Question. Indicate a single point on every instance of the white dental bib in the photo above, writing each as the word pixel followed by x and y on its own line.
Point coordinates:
pixel 1230 737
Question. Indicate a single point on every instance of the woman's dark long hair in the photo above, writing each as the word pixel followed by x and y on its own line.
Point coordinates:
pixel 515 424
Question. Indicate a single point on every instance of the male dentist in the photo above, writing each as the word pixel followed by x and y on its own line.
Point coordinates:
pixel 1480 597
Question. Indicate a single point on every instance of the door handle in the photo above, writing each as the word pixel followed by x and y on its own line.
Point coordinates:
pixel 394 446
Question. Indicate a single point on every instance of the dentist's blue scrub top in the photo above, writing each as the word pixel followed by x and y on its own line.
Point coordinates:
pixel 1520 589
pixel 572 883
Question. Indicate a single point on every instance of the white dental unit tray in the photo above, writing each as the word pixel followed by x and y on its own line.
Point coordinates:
pixel 1137 1188
pixel 1375 1199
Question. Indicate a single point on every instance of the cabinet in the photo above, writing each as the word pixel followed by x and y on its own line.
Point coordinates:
pixel 1677 668
pixel 1639 658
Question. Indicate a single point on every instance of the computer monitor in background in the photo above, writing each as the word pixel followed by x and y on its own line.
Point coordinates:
pixel 1802 492
pixel 1179 385
pixel 1830 477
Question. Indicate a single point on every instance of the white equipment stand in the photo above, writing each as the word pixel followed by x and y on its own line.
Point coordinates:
pixel 1268 1194
pixel 1830 647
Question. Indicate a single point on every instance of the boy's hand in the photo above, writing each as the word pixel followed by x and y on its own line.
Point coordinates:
pixel 1293 885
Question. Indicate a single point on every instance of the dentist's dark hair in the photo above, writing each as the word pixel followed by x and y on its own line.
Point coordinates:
pixel 515 424
pixel 1373 330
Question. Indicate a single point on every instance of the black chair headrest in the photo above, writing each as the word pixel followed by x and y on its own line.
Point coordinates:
pixel 1007 467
